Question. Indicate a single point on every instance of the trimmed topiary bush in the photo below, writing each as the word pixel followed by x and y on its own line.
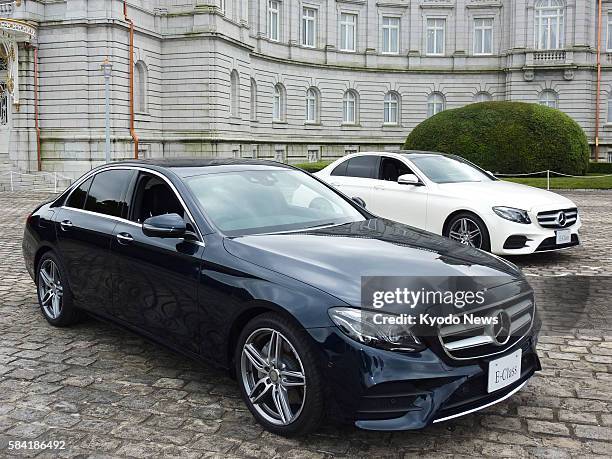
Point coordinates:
pixel 314 167
pixel 600 168
pixel 506 137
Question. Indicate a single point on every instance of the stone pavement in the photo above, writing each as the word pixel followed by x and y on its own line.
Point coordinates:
pixel 108 393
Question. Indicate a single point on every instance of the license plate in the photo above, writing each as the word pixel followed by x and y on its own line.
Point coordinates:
pixel 564 237
pixel 504 371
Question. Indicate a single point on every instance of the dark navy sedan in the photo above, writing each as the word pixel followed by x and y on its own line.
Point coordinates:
pixel 258 267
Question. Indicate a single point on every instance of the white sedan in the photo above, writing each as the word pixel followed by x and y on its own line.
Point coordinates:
pixel 448 195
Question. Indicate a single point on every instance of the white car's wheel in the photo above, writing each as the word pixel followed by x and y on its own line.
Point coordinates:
pixel 468 229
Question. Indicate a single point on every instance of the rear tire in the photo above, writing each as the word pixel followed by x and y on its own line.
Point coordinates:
pixel 54 294
pixel 468 228
pixel 282 389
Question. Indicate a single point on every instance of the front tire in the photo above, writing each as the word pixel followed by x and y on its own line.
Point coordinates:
pixel 54 295
pixel 468 229
pixel 279 379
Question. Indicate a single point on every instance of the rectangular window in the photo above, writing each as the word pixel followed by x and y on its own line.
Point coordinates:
pixel 348 31
pixel 313 156
pixel 273 20
pixel 390 34
pixel 610 110
pixel 483 36
pixel 309 27
pixel 436 28
pixel 107 192
pixel 609 33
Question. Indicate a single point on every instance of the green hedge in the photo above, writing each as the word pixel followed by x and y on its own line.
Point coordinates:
pixel 313 167
pixel 600 168
pixel 506 137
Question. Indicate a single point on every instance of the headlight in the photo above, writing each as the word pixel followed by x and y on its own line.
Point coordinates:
pixel 512 214
pixel 376 329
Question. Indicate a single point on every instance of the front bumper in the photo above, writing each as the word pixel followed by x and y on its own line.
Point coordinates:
pixel 381 390
pixel 537 239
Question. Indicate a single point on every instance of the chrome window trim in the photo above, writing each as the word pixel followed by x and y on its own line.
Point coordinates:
pixel 123 220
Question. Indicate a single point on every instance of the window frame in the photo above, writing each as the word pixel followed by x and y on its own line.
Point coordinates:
pixel 141 88
pixel 343 35
pixel 609 32
pixel 280 94
pixel 234 106
pixel 543 98
pixel 129 194
pixel 253 100
pixel 483 29
pixel 274 33
pixel 312 97
pixel 431 102
pixel 387 45
pixel 350 93
pixel 435 28
pixel 394 98
pixel 544 13
pixel 307 22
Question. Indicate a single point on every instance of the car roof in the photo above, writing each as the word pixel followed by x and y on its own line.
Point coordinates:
pixel 188 167
pixel 401 152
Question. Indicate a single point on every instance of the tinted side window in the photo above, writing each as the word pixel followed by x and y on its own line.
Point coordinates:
pixel 77 198
pixel 363 166
pixel 340 170
pixel 154 197
pixel 107 192
pixel 392 169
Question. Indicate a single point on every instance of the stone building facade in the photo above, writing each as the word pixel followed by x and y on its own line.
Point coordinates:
pixel 291 80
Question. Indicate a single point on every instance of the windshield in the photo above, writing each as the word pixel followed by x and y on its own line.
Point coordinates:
pixel 444 169
pixel 267 201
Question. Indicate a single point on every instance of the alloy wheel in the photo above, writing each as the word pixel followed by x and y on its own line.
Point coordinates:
pixel 50 289
pixel 273 376
pixel 467 232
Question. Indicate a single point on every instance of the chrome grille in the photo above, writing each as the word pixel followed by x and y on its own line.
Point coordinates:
pixel 468 341
pixel 554 219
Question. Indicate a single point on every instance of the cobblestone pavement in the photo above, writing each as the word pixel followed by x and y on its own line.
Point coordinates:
pixel 106 392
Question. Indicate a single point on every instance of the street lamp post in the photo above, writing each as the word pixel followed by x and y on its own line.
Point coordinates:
pixel 107 68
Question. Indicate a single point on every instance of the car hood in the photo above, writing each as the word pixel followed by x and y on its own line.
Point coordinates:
pixel 500 193
pixel 335 259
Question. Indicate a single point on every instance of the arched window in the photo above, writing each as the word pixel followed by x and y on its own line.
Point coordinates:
pixel 350 107
pixel 141 87
pixel 482 96
pixel 278 104
pixel 234 93
pixel 549 24
pixel 549 98
pixel 253 99
pixel 312 105
pixel 391 108
pixel 435 103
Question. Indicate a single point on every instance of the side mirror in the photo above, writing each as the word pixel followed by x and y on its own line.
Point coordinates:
pixel 165 226
pixel 360 202
pixel 409 179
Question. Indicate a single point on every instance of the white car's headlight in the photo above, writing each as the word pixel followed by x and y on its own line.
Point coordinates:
pixel 376 329
pixel 512 214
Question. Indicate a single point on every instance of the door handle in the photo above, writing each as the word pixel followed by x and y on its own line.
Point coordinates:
pixel 379 187
pixel 125 238
pixel 335 184
pixel 66 225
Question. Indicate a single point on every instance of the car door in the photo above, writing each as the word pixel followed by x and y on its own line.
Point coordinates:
pixel 355 177
pixel 84 228
pixel 402 203
pixel 155 279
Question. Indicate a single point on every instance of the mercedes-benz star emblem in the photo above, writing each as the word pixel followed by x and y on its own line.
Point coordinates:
pixel 561 218
pixel 500 330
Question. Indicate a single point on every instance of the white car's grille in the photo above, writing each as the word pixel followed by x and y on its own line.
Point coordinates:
pixel 469 341
pixel 562 218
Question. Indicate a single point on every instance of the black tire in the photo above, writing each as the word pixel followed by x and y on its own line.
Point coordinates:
pixel 485 243
pixel 309 419
pixel 69 314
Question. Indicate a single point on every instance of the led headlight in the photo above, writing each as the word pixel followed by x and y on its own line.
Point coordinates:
pixel 376 329
pixel 512 214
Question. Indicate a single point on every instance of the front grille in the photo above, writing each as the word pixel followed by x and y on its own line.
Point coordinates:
pixel 473 340
pixel 562 218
